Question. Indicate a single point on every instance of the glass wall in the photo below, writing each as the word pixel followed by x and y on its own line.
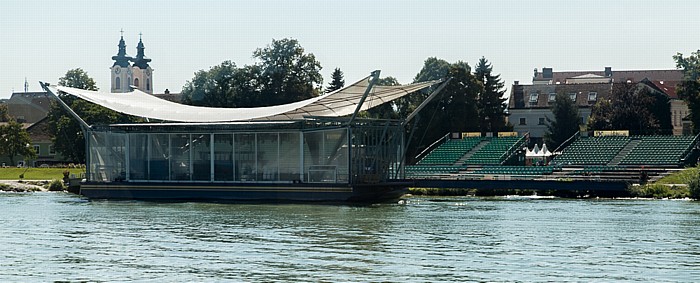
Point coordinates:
pixel 290 157
pixel 326 156
pixel 223 157
pixel 158 163
pixel 318 156
pixel 180 157
pixel 107 157
pixel 201 157
pixel 244 157
pixel 138 157
pixel 268 157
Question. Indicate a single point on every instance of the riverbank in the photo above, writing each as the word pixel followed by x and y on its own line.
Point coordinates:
pixel 24 186
pixel 33 173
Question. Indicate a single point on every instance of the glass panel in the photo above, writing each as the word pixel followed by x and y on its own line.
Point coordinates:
pixel 201 161
pixel 98 168
pixel 289 157
pixel 326 156
pixel 268 157
pixel 223 157
pixel 245 157
pixel 180 157
pixel 160 154
pixel 138 166
pixel 117 143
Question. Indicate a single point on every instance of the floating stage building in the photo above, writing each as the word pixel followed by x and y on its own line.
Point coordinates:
pixel 312 150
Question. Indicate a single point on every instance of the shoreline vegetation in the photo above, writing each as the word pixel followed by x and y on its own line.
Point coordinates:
pixel 34 179
pixel 679 185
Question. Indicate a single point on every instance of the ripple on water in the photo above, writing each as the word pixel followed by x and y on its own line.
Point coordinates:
pixel 55 236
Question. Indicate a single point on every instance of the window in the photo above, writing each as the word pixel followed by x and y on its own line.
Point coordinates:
pixel 148 84
pixel 136 82
pixel 117 83
pixel 540 122
pixel 592 96
pixel 522 121
pixel 36 149
pixel 52 150
pixel 533 97
pixel 552 97
pixel 572 95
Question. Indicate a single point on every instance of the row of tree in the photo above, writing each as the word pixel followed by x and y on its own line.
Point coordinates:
pixel 284 73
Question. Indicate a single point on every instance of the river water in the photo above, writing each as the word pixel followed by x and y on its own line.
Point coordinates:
pixel 63 237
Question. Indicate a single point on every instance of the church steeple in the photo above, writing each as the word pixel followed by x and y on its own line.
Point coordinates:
pixel 141 60
pixel 121 59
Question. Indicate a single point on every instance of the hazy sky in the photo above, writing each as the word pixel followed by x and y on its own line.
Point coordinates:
pixel 41 40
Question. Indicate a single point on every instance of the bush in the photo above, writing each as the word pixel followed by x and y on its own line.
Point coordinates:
pixel 57 185
pixel 694 186
pixel 659 191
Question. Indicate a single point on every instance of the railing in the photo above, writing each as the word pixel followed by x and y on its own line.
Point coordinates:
pixel 567 142
pixel 432 146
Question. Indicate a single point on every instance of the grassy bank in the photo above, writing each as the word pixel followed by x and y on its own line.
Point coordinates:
pixel 36 173
pixel 671 186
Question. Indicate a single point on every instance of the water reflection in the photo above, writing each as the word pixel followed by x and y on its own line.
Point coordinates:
pixel 54 236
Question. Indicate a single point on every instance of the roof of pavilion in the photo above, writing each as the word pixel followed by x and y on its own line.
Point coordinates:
pixel 338 103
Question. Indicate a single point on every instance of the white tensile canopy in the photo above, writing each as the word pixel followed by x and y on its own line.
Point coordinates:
pixel 335 104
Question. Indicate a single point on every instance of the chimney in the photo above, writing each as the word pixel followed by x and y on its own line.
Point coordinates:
pixel 535 75
pixel 608 72
pixel 167 91
pixel 547 73
pixel 516 82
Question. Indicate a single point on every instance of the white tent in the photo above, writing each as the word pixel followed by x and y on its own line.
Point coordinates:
pixel 335 104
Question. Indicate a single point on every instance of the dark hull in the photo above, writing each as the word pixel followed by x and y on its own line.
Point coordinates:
pixel 235 192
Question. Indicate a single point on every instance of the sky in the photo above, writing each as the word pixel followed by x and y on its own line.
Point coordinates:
pixel 42 40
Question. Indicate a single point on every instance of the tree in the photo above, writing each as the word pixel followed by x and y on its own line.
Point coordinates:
pixel 282 74
pixel 77 78
pixel 566 121
pixel 68 137
pixel 689 88
pixel 14 140
pixel 453 110
pixel 386 110
pixel 633 107
pixel 213 88
pixel 337 81
pixel 4 113
pixel 490 99
pixel 287 74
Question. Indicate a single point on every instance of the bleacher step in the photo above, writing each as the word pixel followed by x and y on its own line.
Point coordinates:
pixel 623 152
pixel 471 152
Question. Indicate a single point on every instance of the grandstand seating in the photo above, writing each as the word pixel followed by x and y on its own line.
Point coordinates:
pixel 592 150
pixel 450 151
pixel 496 151
pixel 659 150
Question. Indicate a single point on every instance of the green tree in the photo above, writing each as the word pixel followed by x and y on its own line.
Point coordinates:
pixel 282 74
pixel 337 81
pixel 566 121
pixel 386 110
pixel 4 113
pixel 287 73
pixel 14 141
pixel 632 107
pixel 68 137
pixel 689 88
pixel 453 110
pixel 490 99
pixel 213 88
pixel 77 78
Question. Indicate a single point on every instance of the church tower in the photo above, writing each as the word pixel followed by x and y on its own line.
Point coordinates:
pixel 142 72
pixel 121 71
